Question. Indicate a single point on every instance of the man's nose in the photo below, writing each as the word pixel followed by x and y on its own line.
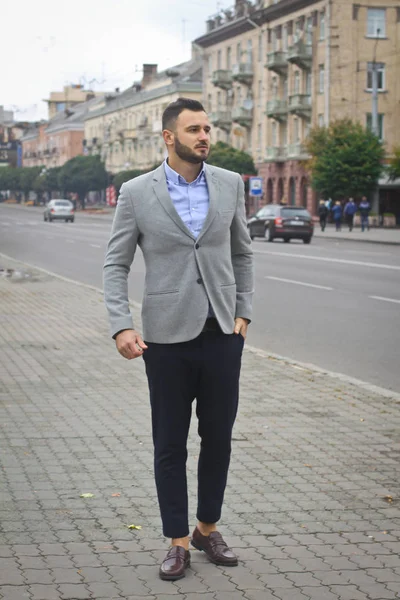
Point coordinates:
pixel 203 136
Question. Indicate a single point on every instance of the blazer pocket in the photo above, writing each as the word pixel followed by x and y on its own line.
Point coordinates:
pixel 163 293
pixel 227 284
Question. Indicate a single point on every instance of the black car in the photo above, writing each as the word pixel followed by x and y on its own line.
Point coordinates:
pixel 285 222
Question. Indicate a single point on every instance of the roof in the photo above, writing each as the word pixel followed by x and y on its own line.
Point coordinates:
pixel 185 77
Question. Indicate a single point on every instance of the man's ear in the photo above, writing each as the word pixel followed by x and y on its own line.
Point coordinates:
pixel 168 137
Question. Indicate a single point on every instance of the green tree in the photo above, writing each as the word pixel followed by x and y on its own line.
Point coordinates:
pixel 346 159
pixel 81 175
pixel 124 176
pixel 9 179
pixel 225 156
pixel 27 177
pixel 47 181
pixel 394 165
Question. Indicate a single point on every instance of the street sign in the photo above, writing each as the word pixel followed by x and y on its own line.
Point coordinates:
pixel 255 186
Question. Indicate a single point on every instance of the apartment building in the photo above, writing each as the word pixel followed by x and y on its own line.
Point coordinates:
pixel 70 96
pixel 125 129
pixel 52 143
pixel 274 70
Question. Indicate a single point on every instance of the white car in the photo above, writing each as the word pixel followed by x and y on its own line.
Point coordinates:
pixel 59 209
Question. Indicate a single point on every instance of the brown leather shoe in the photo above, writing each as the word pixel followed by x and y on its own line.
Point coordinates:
pixel 216 549
pixel 175 563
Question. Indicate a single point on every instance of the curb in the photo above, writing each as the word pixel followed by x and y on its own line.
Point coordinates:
pixel 365 241
pixel 311 368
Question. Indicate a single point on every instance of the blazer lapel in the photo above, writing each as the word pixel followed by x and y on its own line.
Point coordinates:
pixel 161 191
pixel 213 193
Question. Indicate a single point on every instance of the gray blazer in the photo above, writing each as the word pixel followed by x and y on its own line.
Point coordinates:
pixel 182 273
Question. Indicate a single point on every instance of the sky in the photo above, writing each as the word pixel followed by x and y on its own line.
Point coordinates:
pixel 99 43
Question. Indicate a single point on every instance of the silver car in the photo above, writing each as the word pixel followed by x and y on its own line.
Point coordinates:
pixel 59 209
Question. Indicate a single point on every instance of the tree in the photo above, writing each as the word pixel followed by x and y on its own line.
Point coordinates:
pixel 81 175
pixel 394 165
pixel 124 176
pixel 225 156
pixel 9 179
pixel 27 177
pixel 346 159
pixel 47 181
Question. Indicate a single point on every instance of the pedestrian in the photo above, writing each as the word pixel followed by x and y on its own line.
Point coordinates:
pixel 364 208
pixel 323 214
pixel 188 218
pixel 350 210
pixel 337 215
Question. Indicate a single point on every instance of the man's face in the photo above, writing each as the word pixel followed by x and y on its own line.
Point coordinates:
pixel 191 136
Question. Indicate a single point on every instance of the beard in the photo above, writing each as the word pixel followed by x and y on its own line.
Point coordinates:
pixel 185 153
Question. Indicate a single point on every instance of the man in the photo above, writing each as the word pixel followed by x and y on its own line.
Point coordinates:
pixel 189 220
pixel 364 207
pixel 323 214
pixel 337 215
pixel 350 210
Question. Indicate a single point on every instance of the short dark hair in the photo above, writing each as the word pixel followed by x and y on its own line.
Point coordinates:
pixel 173 110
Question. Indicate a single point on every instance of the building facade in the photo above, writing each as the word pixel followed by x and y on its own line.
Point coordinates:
pixel 125 128
pixel 70 97
pixel 52 143
pixel 11 132
pixel 274 70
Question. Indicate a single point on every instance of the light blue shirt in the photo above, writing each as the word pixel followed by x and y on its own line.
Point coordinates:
pixel 191 200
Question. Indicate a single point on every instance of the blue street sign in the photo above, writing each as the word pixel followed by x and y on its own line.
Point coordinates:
pixel 255 186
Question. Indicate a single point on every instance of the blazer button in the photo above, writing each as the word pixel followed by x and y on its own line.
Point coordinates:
pixel 197 246
pixel 199 280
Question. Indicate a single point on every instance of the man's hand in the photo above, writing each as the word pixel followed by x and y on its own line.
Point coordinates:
pixel 241 326
pixel 130 344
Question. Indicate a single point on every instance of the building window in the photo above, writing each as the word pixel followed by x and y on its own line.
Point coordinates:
pixel 321 120
pixel 380 124
pixel 219 100
pixel 209 102
pixel 249 51
pixel 380 67
pixel 238 52
pixel 259 92
pixel 219 59
pixel 321 81
pixel 60 106
pixel 285 88
pixel 274 40
pixel 308 83
pixel 274 87
pixel 229 58
pixel 298 30
pixel 296 82
pixel 295 130
pixel 273 134
pixel 376 22
pixel 260 47
pixel 284 38
pixel 322 25
pixel 259 135
pixel 210 64
pixel 284 134
pixel 309 31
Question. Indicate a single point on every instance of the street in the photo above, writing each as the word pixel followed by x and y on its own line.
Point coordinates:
pixel 332 304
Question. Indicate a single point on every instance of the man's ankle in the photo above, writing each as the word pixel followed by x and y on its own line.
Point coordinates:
pixel 184 542
pixel 206 528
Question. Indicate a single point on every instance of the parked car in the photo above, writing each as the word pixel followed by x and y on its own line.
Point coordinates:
pixel 286 222
pixel 59 210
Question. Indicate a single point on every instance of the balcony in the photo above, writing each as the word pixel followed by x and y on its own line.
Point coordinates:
pixel 130 134
pixel 222 79
pixel 243 72
pixel 277 109
pixel 243 116
pixel 297 151
pixel 276 154
pixel 300 54
pixel 277 62
pixel 222 119
pixel 300 104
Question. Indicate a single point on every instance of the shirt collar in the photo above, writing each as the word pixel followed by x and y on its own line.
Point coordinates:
pixel 177 179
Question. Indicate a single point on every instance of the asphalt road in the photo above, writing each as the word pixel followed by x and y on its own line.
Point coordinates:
pixel 332 304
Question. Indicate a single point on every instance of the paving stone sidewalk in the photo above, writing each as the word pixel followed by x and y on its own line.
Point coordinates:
pixel 312 506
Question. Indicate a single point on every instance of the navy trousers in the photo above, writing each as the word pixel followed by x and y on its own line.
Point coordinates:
pixel 206 369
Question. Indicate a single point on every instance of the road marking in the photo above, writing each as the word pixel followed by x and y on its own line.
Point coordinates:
pixel 357 263
pixel 384 299
pixel 95 246
pixel 319 287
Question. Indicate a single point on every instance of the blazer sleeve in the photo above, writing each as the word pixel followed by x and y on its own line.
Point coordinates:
pixel 242 258
pixel 119 257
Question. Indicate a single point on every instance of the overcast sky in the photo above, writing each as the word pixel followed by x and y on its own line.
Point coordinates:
pixel 101 43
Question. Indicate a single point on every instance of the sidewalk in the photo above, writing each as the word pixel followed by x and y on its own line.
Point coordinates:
pixel 376 235
pixel 312 505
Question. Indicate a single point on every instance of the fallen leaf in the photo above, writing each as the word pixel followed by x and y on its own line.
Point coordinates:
pixel 134 526
pixel 115 495
pixel 306 465
pixel 362 419
pixel 388 498
pixel 86 496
